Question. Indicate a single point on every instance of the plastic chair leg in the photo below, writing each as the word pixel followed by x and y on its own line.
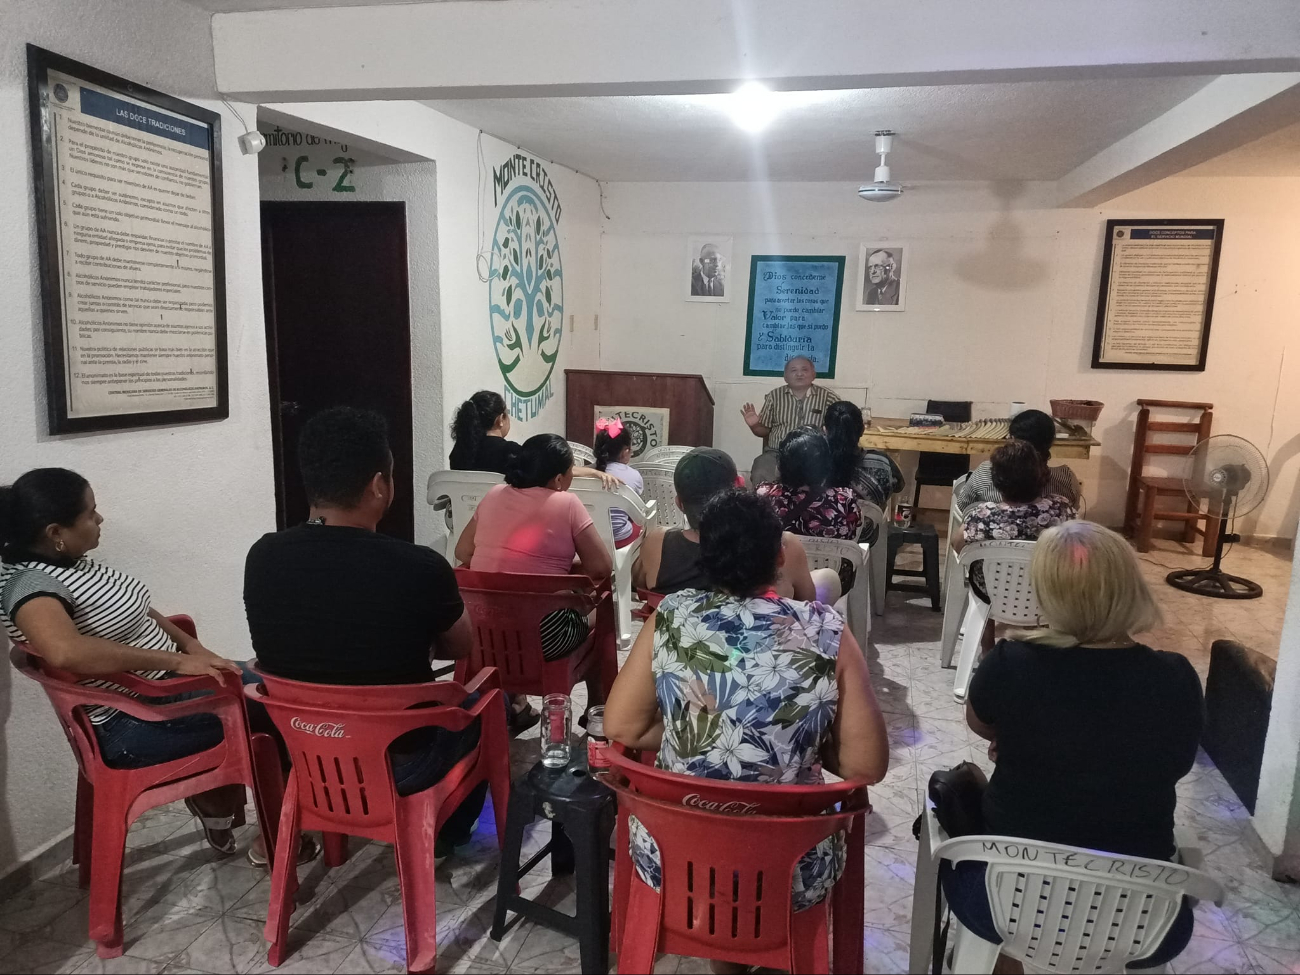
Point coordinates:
pixel 877 566
pixel 622 883
pixel 335 852
pixel 284 877
pixel 517 819
pixel 623 605
pixel 414 848
pixel 498 762
pixel 640 938
pixel 809 951
pixel 859 598
pixel 977 614
pixel 971 954
pixel 268 789
pixel 923 901
pixel 83 830
pixel 108 845
pixel 955 596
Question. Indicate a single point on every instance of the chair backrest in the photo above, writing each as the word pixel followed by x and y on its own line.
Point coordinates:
pixel 668 455
pixel 583 456
pixel 1068 909
pixel 1006 580
pixel 338 738
pixel 932 463
pixel 1198 426
pixel 660 489
pixel 955 519
pixel 598 502
pixel 462 490
pixel 872 512
pixel 826 553
pixel 505 611
pixel 721 890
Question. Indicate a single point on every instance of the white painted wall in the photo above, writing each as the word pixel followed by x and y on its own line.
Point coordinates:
pixel 1001 303
pixel 466 215
pixel 181 503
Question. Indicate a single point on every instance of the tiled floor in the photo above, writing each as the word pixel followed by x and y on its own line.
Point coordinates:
pixel 187 912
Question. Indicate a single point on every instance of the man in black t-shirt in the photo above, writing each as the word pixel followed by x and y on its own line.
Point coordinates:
pixel 335 602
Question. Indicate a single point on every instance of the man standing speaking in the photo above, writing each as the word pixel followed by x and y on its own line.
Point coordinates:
pixel 799 403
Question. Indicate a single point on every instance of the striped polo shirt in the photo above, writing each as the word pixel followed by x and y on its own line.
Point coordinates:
pixel 783 412
pixel 979 487
pixel 103 602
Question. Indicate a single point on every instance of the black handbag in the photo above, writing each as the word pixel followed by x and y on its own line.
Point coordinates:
pixel 958 797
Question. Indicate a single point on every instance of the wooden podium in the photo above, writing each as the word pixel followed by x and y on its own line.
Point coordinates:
pixel 690 420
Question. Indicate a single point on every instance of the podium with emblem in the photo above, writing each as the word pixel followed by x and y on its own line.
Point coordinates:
pixel 660 408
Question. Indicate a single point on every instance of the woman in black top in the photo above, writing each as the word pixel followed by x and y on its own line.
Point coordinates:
pixel 481 428
pixel 1091 730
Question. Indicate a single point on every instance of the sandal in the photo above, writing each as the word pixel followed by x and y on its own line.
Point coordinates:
pixel 308 850
pixel 521 719
pixel 217 830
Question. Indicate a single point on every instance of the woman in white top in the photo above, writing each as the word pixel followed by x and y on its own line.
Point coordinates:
pixel 613 449
pixel 93 620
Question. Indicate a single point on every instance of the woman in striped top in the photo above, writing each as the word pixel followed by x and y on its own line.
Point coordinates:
pixel 88 618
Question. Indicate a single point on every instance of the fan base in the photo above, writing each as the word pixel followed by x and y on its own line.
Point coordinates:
pixel 1214 582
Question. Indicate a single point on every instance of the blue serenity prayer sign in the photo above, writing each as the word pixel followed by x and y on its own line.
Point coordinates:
pixel 794 309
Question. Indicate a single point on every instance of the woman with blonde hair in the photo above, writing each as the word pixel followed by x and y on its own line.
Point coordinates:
pixel 1092 728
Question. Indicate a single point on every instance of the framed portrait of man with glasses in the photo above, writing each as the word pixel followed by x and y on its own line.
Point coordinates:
pixel 881 281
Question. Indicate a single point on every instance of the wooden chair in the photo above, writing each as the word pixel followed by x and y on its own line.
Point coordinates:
pixel 1145 490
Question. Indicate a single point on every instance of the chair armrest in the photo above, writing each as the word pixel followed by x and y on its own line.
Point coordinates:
pixel 441 503
pixel 489 678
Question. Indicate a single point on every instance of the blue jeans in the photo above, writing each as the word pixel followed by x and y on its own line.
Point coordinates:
pixel 967 895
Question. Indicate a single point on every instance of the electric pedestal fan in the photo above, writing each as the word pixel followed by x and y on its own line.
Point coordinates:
pixel 1230 475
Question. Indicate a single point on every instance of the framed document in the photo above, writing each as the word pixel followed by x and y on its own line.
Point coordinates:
pixel 794 309
pixel 128 205
pixel 1157 294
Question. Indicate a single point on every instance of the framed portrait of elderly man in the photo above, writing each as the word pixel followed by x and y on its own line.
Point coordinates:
pixel 708 269
pixel 882 285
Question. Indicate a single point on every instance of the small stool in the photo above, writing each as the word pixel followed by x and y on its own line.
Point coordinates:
pixel 581 810
pixel 928 539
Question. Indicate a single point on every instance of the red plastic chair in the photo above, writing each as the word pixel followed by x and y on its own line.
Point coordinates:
pixel 342 783
pixel 506 610
pixel 723 896
pixel 109 800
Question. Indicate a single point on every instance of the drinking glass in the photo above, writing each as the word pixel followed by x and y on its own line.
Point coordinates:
pixel 556 715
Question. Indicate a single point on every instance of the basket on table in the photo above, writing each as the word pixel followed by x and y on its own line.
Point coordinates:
pixel 1076 409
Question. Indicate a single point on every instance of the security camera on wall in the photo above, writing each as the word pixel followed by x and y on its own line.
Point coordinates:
pixel 251 143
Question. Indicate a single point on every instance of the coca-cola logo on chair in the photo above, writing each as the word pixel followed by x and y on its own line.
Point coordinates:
pixel 322 729
pixel 696 801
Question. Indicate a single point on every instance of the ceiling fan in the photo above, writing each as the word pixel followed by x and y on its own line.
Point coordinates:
pixel 882 189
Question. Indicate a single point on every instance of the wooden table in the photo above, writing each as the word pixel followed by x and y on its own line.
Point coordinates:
pixel 1073 443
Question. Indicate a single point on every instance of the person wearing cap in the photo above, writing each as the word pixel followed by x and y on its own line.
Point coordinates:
pixel 799 403
pixel 1039 430
pixel 670 558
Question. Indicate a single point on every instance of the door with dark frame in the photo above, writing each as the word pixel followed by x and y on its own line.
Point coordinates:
pixel 338 333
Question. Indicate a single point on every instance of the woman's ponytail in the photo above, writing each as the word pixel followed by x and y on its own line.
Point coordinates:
pixel 473 419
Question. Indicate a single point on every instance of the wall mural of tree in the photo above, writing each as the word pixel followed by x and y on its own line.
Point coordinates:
pixel 526 285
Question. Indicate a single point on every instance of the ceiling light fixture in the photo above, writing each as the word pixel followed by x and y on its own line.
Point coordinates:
pixel 752 106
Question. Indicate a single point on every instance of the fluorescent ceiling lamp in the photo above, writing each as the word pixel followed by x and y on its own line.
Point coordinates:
pixel 752 106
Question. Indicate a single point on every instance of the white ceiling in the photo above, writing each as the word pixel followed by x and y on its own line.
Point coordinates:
pixel 1022 131
pixel 234 6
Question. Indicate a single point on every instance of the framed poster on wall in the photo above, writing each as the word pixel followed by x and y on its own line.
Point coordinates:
pixel 794 309
pixel 128 205
pixel 882 284
pixel 1157 294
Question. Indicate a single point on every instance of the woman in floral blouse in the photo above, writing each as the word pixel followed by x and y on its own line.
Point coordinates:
pixel 738 683
pixel 1025 511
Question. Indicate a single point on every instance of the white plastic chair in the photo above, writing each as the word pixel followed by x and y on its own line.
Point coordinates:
pixel 668 454
pixel 954 592
pixel 660 489
pixel 458 493
pixel 1006 580
pixel 583 456
pixel 598 502
pixel 876 554
pixel 826 553
pixel 1056 908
